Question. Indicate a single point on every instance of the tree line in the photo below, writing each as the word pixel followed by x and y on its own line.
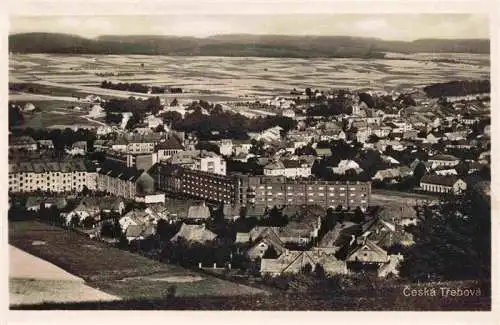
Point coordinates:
pixel 458 88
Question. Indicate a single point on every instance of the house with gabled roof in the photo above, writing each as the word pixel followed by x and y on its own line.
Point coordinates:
pixel 339 236
pixel 134 218
pixel 293 262
pixel 22 143
pixel 198 212
pixel 33 203
pixel 194 234
pixel 269 241
pixel 139 232
pixel 93 207
pixel 365 253
pixel 380 232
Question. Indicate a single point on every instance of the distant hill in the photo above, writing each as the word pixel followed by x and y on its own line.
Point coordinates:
pixel 238 45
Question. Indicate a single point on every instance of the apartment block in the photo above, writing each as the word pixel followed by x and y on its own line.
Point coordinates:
pixel 262 191
pixel 177 180
pixel 52 176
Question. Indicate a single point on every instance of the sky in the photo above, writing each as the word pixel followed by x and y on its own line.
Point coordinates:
pixel 405 27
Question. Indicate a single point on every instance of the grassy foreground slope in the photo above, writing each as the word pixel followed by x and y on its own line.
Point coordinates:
pixel 143 283
pixel 115 271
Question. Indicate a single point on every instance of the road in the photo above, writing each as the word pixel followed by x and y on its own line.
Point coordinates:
pixel 384 197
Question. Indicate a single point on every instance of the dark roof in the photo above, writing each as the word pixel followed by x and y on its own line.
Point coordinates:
pixel 170 143
pixel 65 166
pixel 439 180
pixel 117 169
pixel 444 157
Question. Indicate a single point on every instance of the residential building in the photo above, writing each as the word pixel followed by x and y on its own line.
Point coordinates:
pixel 304 226
pixel 22 143
pixel 364 252
pixel 225 147
pixel 259 191
pixel 201 160
pixel 52 176
pixel 345 165
pixel 323 152
pixel 194 234
pixel 45 144
pixel 78 148
pixel 442 184
pixel 289 168
pixel 171 146
pixel 198 212
pixel 127 182
pixel 443 160
pixel 176 180
pixel 33 203
pixel 241 147
pixel 281 191
pixel 293 262
pixel 137 160
pixel 138 143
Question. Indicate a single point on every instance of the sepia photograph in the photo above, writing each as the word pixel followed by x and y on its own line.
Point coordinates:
pixel 254 162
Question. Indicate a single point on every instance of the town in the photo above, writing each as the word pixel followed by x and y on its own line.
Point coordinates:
pixel 320 181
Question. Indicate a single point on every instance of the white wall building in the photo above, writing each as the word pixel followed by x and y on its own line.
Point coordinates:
pixel 68 176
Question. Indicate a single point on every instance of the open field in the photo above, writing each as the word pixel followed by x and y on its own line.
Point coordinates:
pixel 230 78
pixel 33 281
pixel 114 271
pixel 55 113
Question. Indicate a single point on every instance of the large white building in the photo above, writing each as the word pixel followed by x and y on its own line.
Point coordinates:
pixel 66 176
pixel 201 160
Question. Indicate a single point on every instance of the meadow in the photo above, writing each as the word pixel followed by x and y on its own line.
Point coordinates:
pixel 236 77
pixel 114 271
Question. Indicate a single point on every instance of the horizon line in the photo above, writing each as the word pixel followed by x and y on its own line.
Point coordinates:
pixel 248 34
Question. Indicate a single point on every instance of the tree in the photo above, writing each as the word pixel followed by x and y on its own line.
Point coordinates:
pixel 107 230
pixel 419 172
pixel 74 222
pixel 373 138
pixel 308 92
pixel 16 117
pixel 174 102
pixel 319 271
pixel 257 148
pixel 88 222
pixel 359 216
pixel 307 269
pixel 453 242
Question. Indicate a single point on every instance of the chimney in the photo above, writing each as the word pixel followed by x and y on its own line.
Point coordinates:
pixel 353 239
pixel 199 265
pixel 215 265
